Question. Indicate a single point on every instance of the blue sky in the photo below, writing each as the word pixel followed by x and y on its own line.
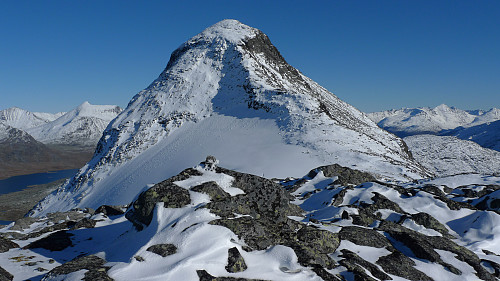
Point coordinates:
pixel 375 55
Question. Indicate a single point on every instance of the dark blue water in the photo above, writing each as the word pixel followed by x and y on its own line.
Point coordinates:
pixel 19 183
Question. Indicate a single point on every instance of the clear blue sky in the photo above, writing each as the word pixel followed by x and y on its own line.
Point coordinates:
pixel 375 55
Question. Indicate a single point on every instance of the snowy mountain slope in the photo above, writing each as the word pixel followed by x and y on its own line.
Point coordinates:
pixel 445 155
pixel 487 134
pixel 413 121
pixel 253 228
pixel 227 91
pixel 81 126
pixel 23 119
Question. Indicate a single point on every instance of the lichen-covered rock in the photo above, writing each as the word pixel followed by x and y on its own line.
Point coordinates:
pixel 345 175
pixel 94 265
pixel 235 262
pixel 212 189
pixel 424 247
pixel 356 264
pixel 6 244
pixel 400 265
pixel 162 249
pixel 430 222
pixel 172 196
pixel 56 241
pixel 364 237
pixel 84 223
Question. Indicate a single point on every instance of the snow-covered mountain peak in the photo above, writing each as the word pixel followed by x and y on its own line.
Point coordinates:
pixel 22 119
pixel 80 126
pixel 231 30
pixel 228 92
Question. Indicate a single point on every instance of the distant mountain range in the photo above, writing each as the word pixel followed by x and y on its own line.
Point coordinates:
pixel 475 125
pixel 36 142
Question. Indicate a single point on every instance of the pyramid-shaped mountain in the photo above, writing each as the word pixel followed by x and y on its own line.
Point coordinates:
pixel 228 92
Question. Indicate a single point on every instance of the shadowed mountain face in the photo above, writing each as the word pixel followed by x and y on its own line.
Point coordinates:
pixel 228 92
pixel 21 154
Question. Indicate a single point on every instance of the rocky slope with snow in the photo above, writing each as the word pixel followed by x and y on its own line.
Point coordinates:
pixel 335 223
pixel 446 155
pixel 228 92
pixel 423 120
pixel 487 134
pixel 82 126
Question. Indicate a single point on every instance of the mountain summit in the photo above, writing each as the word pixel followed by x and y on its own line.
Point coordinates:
pixel 228 92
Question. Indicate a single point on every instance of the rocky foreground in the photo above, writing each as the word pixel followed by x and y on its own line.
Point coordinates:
pixel 210 223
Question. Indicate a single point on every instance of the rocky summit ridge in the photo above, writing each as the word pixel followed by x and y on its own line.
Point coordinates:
pixel 228 91
pixel 212 223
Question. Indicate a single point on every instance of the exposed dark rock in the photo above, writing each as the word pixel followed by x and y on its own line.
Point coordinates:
pixel 212 189
pixel 381 202
pixel 84 223
pixel 56 241
pixel 267 206
pixel 364 237
pixel 94 265
pixel 345 215
pixel 210 163
pixel 338 198
pixel 430 222
pixel 59 217
pixel 235 262
pixel 23 223
pixel 5 275
pixel 205 276
pixel 402 266
pixel 172 196
pixel 6 244
pixel 110 210
pixel 262 198
pixel 363 218
pixel 59 226
pixel 353 263
pixel 312 246
pixel 163 249
pixel 438 194
pixel 424 247
pixel 345 175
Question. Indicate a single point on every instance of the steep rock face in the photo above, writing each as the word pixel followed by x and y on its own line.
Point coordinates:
pixel 229 92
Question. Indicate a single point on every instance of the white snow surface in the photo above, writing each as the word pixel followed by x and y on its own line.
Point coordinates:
pixel 202 246
pixel 446 155
pixel 23 119
pixel 411 121
pixel 81 126
pixel 226 93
